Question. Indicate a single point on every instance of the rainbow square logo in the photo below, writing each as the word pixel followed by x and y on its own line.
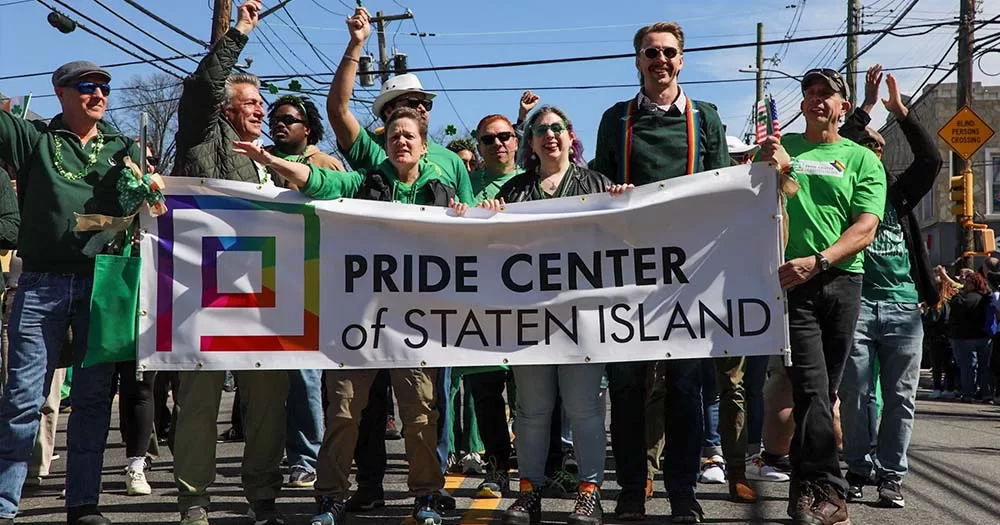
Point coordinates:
pixel 264 299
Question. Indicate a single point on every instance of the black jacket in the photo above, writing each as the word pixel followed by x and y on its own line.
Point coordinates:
pixel 524 187
pixel 967 319
pixel 905 190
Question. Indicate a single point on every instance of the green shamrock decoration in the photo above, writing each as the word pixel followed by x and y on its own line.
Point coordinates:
pixel 451 130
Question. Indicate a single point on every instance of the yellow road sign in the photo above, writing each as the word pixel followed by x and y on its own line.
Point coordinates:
pixel 965 133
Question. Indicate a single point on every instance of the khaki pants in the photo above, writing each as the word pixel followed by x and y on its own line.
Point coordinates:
pixel 732 414
pixel 264 392
pixel 654 418
pixel 348 394
pixel 45 442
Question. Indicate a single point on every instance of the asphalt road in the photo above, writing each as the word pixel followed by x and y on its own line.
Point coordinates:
pixel 954 462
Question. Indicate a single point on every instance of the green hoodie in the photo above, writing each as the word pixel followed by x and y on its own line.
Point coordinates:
pixel 327 184
pixel 47 241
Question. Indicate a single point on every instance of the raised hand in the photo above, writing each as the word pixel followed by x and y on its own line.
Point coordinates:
pixel 895 101
pixel 359 25
pixel 873 80
pixel 528 102
pixel 247 16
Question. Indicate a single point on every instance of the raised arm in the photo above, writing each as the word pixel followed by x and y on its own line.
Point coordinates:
pixel 345 126
pixel 918 179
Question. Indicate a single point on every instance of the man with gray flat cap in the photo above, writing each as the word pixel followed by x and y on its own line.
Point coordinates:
pixel 72 165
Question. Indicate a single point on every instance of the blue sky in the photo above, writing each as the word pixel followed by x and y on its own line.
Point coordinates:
pixel 486 32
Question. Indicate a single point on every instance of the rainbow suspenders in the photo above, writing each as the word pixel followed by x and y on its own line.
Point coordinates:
pixel 693 135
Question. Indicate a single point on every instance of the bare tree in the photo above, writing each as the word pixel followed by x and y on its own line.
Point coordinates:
pixel 158 95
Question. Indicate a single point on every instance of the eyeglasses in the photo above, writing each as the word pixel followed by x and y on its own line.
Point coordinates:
pixel 152 160
pixel 504 136
pixel 287 120
pixel 556 127
pixel 653 52
pixel 413 103
pixel 88 88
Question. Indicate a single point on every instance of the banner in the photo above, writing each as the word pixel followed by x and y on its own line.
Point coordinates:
pixel 240 276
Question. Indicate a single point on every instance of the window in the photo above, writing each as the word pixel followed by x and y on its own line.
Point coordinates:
pixel 992 181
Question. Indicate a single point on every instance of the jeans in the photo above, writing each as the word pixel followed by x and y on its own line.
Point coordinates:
pixel 973 358
pixel 892 333
pixel 579 386
pixel 712 441
pixel 443 406
pixel 47 305
pixel 753 384
pixel 304 412
pixel 822 316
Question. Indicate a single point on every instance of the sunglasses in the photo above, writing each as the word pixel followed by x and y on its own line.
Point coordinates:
pixel 413 103
pixel 832 73
pixel 556 127
pixel 287 120
pixel 504 136
pixel 88 88
pixel 653 52
pixel 152 160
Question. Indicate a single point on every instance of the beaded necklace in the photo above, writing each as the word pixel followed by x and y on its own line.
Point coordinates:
pixel 91 159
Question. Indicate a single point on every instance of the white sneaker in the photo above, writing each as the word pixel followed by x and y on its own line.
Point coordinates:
pixel 936 394
pixel 135 483
pixel 759 471
pixel 472 463
pixel 713 470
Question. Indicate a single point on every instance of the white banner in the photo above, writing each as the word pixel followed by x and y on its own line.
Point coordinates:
pixel 237 276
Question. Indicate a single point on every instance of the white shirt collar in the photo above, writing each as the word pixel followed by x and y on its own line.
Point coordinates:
pixel 680 103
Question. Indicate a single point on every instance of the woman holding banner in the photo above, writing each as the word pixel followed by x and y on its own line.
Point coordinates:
pixel 406 176
pixel 552 158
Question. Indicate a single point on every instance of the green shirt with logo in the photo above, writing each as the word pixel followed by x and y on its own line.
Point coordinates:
pixel 486 186
pixel 887 264
pixel 838 182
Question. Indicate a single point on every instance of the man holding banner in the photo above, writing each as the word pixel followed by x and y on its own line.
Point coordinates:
pixel 823 276
pixel 658 134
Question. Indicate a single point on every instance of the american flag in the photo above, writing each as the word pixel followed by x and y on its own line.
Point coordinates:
pixel 767 119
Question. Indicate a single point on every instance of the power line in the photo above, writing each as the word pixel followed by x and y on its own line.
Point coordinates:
pixel 106 66
pixel 166 24
pixel 438 76
pixel 143 31
pixel 15 3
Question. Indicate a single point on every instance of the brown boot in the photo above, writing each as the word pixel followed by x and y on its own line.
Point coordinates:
pixel 828 508
pixel 800 497
pixel 740 491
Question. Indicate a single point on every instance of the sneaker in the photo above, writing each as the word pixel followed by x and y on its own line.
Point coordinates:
pixel 331 512
pixel 569 459
pixel 454 465
pixel 365 499
pixel 85 515
pixel 631 505
pixel 587 509
pixel 937 394
pixel 425 511
pixel 758 470
pixel 194 516
pixel 391 432
pixel 828 507
pixel 855 486
pixel 713 471
pixel 472 463
pixel 136 484
pixel 497 482
pixel 562 484
pixel 890 495
pixel 444 501
pixel 264 512
pixel 526 509
pixel 230 436
pixel 740 491
pixel 301 477
pixel 686 510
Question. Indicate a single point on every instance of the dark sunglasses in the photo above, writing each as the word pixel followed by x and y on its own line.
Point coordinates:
pixel 88 88
pixel 504 136
pixel 287 120
pixel 413 103
pixel 832 73
pixel 152 160
pixel 556 127
pixel 653 52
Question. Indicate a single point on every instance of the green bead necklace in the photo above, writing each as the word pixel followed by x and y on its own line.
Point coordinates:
pixel 91 159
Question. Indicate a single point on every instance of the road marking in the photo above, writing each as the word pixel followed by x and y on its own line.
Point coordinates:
pixel 481 511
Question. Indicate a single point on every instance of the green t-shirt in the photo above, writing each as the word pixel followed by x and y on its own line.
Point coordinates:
pixel 887 264
pixel 838 182
pixel 368 152
pixel 485 186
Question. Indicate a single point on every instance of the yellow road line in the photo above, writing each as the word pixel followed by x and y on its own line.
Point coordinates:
pixel 481 511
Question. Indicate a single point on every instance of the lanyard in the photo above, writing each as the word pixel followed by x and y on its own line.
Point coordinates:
pixel 693 145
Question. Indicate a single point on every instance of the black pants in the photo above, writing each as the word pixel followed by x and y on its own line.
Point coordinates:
pixel 135 408
pixel 369 452
pixel 943 364
pixel 165 384
pixel 822 314
pixel 487 395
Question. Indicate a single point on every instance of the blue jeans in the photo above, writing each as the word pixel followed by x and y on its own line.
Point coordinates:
pixel 973 358
pixel 45 307
pixel 753 383
pixel 304 412
pixel 892 333
pixel 443 405
pixel 579 387
pixel 712 442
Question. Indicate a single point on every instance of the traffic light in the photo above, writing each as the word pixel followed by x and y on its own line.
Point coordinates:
pixel 961 194
pixel 983 241
pixel 365 70
pixel 61 22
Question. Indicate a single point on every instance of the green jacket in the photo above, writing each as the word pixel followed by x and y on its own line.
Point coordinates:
pixel 327 184
pixel 49 201
pixel 204 136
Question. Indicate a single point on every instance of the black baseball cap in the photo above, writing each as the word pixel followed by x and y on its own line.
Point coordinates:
pixel 71 72
pixel 830 77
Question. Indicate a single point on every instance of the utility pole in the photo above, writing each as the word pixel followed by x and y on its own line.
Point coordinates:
pixel 760 61
pixel 220 19
pixel 383 58
pixel 966 39
pixel 853 27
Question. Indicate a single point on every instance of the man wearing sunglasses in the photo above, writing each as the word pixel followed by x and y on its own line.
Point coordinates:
pixel 832 219
pixel 69 166
pixel 296 127
pixel 660 133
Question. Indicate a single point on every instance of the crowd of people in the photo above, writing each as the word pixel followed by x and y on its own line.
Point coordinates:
pixel 864 304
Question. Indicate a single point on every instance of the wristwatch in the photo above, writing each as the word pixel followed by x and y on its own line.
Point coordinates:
pixel 821 262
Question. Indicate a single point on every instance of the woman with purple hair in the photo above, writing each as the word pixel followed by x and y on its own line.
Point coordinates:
pixel 552 158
